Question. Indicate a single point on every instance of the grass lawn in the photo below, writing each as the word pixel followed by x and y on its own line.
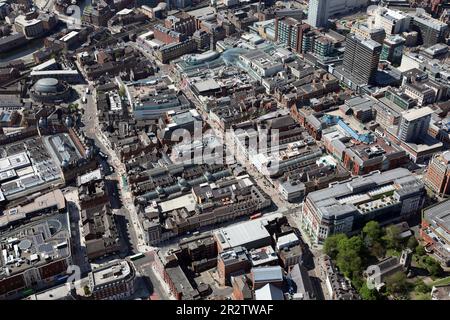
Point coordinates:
pixel 440 282
pixel 393 253
pixel 420 296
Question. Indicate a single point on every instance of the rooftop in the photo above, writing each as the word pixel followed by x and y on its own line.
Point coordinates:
pixel 187 201
pixel 111 272
pixel 360 194
pixel 90 176
pixel 35 244
pixel 242 234
pixel 269 292
pixel 439 218
pixel 267 274
pixel 53 199
pixel 415 114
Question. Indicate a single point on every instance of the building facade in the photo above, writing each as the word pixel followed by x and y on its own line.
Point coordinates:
pixel 361 58
pixel 392 50
pixel 113 281
pixel 289 31
pixel 437 177
pixel 346 206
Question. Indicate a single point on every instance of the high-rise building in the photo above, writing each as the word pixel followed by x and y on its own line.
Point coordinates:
pixel 393 49
pixel 289 31
pixel 361 58
pixel 319 11
pixel 414 124
pixel 437 177
pixel 364 31
pixel 430 30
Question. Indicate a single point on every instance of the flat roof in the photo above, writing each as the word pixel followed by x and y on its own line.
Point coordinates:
pixel 202 12
pixel 187 201
pixel 41 203
pixel 114 271
pixel 53 72
pixel 90 176
pixel 439 215
pixel 206 85
pixel 22 20
pixel 69 36
pixel 35 244
pixel 61 292
pixel 14 161
pixel 242 233
pixel 414 114
pixel 44 65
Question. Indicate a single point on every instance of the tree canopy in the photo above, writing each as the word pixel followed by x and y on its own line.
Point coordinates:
pixel 331 244
pixel 372 232
pixel 392 237
pixel 396 285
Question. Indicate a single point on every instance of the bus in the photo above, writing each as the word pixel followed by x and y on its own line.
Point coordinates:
pixel 137 256
pixel 28 292
pixel 255 216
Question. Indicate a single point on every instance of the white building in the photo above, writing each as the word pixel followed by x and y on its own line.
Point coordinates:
pixel 319 11
pixel 392 21
pixel 31 28
pixel 113 281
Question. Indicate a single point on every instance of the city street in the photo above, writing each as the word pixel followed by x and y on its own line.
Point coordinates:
pixel 260 179
pixel 79 256
pixel 155 284
pixel 134 228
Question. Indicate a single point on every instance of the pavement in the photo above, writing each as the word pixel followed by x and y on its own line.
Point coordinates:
pixel 79 255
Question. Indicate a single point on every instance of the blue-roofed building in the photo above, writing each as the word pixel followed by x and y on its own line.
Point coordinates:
pixel 267 275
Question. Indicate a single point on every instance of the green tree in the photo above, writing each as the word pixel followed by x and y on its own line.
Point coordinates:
pixel 372 232
pixel 87 291
pixel 392 237
pixel 423 296
pixel 354 243
pixel 357 280
pixel 421 287
pixel 122 91
pixel 349 262
pixel 412 243
pixel 330 246
pixel 433 267
pixel 378 250
pixel 368 294
pixel 396 285
pixel 349 256
pixel 420 250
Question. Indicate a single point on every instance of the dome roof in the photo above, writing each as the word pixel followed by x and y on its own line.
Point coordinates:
pixel 48 85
